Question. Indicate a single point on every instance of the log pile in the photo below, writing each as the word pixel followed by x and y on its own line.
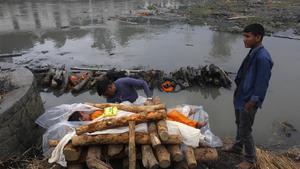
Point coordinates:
pixel 77 80
pixel 155 149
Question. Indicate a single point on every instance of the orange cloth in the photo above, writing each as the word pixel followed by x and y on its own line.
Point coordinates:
pixel 96 114
pixel 175 115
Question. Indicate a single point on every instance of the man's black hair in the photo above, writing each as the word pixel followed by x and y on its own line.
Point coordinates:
pixel 255 29
pixel 102 85
pixel 75 116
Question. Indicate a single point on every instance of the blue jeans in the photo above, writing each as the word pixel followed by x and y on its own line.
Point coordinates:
pixel 244 139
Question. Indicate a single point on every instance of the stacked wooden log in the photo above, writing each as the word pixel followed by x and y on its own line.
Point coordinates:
pixel 155 149
pixel 60 80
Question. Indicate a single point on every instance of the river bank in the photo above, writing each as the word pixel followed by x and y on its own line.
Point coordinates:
pixel 280 18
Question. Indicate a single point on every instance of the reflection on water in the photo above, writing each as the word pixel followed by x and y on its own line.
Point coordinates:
pixel 30 15
pixel 81 32
pixel 221 44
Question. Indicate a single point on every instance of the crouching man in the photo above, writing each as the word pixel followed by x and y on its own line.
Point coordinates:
pixel 123 89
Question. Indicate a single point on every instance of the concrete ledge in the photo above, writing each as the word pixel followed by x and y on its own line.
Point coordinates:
pixel 18 111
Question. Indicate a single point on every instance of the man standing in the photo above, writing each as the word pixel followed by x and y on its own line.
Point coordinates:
pixel 252 81
pixel 123 89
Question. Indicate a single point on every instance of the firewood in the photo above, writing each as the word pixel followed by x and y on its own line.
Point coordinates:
pixel 190 157
pixel 163 156
pixel 176 153
pixel 152 129
pixel 130 108
pixel 93 159
pixel 65 83
pixel 79 87
pixel 58 76
pixel 82 158
pixel 140 138
pixel 113 150
pixel 119 122
pixel 71 153
pixel 132 148
pixel 48 78
pixel 162 130
pixel 206 154
pixel 53 84
pixel 148 159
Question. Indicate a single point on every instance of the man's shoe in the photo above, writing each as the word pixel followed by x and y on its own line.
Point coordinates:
pixel 232 149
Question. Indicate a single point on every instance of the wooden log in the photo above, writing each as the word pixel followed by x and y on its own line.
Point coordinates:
pixel 132 150
pixel 163 156
pixel 130 108
pixel 53 83
pixel 6 55
pixel 65 82
pixel 162 130
pixel 152 129
pixel 93 159
pixel 113 150
pixel 206 154
pixel 71 153
pixel 81 160
pixel 190 157
pixel 47 79
pixel 119 122
pixel 148 159
pixel 58 76
pixel 79 87
pixel 140 138
pixel 176 153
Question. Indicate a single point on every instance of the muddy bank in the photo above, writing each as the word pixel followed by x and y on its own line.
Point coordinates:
pixel 228 15
pixel 232 16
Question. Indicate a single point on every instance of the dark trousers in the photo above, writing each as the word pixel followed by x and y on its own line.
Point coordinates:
pixel 244 139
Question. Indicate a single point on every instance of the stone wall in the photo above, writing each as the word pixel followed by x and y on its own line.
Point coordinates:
pixel 18 111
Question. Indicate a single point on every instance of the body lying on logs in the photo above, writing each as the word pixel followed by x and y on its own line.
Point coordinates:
pixel 140 138
pixel 119 122
pixel 130 108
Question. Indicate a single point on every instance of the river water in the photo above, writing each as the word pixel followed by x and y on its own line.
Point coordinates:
pixel 82 33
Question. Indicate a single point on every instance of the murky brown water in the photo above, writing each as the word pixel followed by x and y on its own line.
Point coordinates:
pixel 36 26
